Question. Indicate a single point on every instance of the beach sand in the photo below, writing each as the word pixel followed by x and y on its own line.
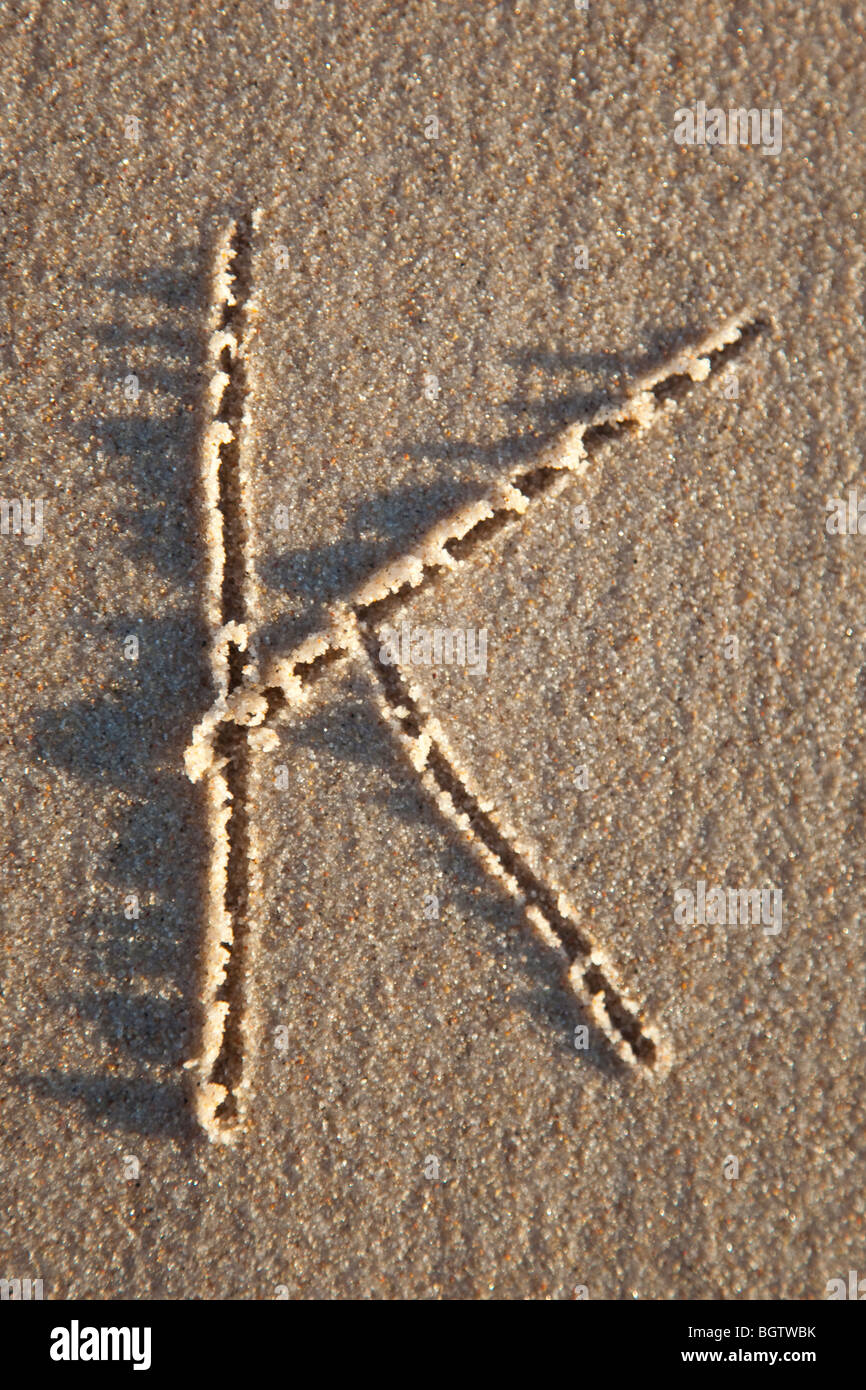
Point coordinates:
pixel 418 1121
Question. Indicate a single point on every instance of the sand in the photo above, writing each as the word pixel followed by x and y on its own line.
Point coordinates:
pixel 417 1120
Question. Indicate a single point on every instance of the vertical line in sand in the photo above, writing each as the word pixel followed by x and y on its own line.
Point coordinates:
pixel 220 1071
